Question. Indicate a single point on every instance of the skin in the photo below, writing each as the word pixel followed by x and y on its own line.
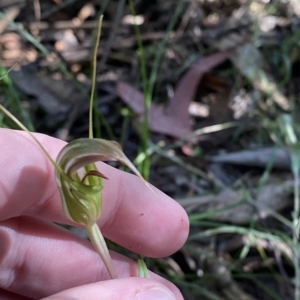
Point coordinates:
pixel 40 260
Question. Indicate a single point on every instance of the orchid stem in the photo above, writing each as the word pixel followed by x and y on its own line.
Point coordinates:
pixel 99 244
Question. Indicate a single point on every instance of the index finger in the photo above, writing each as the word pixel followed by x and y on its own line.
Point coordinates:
pixel 132 216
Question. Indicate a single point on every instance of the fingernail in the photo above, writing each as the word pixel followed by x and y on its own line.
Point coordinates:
pixel 154 294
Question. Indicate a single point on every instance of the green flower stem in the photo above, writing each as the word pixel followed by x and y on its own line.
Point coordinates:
pixel 99 244
pixel 143 271
pixel 295 169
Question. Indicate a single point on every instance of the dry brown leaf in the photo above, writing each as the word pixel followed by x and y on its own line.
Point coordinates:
pixel 158 120
pixel 187 86
pixel 131 96
pixel 29 85
pixel 173 119
pixel 54 95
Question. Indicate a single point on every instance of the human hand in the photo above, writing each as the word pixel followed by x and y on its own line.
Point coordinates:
pixel 39 259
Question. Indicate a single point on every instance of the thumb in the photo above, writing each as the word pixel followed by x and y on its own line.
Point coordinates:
pixel 133 288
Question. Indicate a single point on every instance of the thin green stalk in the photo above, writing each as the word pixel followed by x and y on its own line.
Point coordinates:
pixel 180 162
pixel 295 168
pixel 153 75
pixel 163 46
pixel 124 127
pixel 97 114
pixel 201 131
pixel 13 99
pixel 143 67
pixel 7 71
pixel 147 96
pixel 224 228
pixel 148 84
pixel 143 271
pixel 194 218
pixel 287 126
pixel 94 68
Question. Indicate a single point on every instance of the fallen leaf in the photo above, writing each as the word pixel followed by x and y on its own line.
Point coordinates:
pixel 131 96
pixel 157 118
pixel 31 86
pixel 55 95
pixel 187 86
pixel 173 119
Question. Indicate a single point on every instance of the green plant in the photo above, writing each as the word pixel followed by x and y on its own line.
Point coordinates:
pixel 81 195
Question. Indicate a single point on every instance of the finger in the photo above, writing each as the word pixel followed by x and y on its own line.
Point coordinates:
pixel 38 259
pixel 5 295
pixel 133 216
pixel 118 289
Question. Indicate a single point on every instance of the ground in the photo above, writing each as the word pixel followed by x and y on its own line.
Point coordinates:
pixel 203 95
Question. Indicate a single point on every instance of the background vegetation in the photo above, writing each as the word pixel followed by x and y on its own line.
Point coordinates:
pixel 204 97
